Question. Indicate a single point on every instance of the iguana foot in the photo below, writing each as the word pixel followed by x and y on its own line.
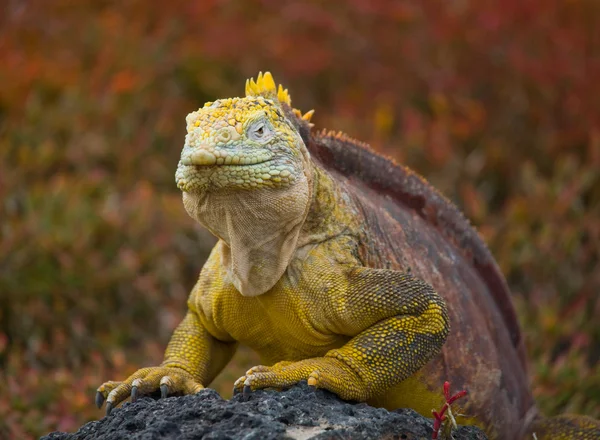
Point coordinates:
pixel 329 373
pixel 144 381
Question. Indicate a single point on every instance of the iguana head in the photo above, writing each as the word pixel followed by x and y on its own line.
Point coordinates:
pixel 246 176
pixel 239 144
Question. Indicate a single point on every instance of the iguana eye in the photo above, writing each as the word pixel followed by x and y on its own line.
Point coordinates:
pixel 259 132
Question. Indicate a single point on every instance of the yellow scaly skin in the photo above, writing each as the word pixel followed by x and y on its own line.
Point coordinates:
pixel 351 329
pixel 286 277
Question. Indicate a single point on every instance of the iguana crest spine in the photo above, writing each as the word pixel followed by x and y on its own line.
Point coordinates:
pixel 265 86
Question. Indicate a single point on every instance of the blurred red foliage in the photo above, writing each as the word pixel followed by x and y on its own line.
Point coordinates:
pixel 497 103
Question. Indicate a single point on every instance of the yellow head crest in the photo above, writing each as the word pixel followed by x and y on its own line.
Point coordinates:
pixel 265 86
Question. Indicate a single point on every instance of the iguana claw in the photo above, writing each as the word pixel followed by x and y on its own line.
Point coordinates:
pixel 134 394
pixel 166 384
pixel 135 386
pixel 99 399
pixel 164 391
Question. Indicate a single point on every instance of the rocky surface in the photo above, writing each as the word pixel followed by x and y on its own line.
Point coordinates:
pixel 298 413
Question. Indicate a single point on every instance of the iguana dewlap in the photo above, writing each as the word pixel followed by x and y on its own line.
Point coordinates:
pixel 340 268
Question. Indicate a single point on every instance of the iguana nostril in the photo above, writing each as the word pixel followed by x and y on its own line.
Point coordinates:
pixel 228 134
pixel 224 136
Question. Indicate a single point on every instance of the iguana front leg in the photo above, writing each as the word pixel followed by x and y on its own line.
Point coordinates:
pixel 397 321
pixel 192 358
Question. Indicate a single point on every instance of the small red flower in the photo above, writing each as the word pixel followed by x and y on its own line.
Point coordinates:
pixel 439 417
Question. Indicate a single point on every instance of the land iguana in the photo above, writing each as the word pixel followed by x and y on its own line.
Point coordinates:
pixel 341 268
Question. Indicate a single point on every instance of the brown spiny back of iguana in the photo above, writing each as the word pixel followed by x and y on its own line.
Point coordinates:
pixel 361 166
pixel 412 218
pixel 417 208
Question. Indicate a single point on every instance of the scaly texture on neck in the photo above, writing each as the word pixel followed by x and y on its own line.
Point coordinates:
pixel 260 229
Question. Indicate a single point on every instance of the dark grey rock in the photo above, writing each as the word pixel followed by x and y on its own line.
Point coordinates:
pixel 297 413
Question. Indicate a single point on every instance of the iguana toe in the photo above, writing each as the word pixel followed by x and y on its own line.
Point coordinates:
pixel 117 395
pixel 258 369
pixel 313 379
pixel 239 383
pixel 104 390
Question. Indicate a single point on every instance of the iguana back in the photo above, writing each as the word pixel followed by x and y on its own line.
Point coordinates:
pixel 415 228
pixel 363 168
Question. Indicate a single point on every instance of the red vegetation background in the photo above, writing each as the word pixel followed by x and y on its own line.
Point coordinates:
pixel 496 102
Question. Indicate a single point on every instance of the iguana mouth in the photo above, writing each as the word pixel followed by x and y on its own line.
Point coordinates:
pixel 262 170
pixel 204 158
pixel 225 165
